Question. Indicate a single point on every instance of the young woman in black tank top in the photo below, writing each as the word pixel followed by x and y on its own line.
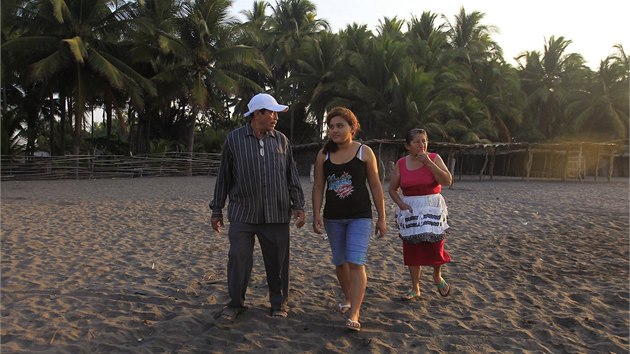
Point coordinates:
pixel 344 167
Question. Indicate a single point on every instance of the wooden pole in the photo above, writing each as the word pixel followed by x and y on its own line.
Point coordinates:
pixel 579 168
pixel 552 164
pixel 566 166
pixel 610 165
pixel 506 166
pixel 597 158
pixel 451 166
pixel 483 168
pixel 492 160
pixel 530 159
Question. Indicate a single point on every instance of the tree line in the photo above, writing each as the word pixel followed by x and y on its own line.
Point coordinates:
pixel 177 75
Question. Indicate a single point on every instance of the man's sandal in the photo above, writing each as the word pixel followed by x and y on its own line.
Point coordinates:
pixel 279 313
pixel 230 314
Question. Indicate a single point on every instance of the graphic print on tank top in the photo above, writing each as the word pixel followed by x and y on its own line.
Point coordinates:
pixel 342 186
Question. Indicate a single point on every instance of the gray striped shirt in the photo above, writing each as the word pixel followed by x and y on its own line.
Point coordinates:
pixel 259 177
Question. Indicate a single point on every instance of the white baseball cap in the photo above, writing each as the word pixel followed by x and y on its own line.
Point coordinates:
pixel 264 101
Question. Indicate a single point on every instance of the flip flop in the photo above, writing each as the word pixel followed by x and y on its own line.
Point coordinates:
pixel 443 288
pixel 343 308
pixel 411 295
pixel 353 325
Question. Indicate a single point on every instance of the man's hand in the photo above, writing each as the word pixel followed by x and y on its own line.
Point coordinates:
pixel 217 223
pixel 300 218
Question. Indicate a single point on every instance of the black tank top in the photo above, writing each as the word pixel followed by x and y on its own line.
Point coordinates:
pixel 347 195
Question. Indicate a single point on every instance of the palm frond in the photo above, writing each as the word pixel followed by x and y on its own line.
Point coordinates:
pixel 77 48
pixel 58 61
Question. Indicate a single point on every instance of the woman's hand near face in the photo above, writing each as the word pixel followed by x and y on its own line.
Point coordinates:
pixel 424 158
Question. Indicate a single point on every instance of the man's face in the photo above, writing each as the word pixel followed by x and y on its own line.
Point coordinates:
pixel 266 119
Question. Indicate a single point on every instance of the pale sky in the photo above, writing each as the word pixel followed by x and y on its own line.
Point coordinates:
pixel 594 27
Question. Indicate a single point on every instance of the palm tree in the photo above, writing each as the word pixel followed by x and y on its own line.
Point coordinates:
pixel 318 74
pixel 428 101
pixel 157 50
pixel 375 86
pixel 471 125
pixel 497 87
pixel 390 28
pixel 189 51
pixel 254 32
pixel 213 65
pixel 547 82
pixel 471 40
pixel 292 24
pixel 72 41
pixel 10 132
pixel 257 21
pixel 428 44
pixel 477 58
pixel 601 112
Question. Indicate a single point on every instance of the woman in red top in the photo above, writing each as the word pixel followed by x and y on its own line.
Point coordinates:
pixel 422 212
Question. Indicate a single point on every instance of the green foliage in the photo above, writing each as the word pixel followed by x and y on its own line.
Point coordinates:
pixel 101 145
pixel 212 140
pixel 164 145
pixel 172 71
pixel 10 131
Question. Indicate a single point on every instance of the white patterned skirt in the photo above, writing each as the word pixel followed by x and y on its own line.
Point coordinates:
pixel 426 222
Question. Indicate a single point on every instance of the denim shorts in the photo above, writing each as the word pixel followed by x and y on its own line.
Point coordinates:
pixel 349 239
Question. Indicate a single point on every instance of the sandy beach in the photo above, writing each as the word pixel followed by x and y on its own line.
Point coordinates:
pixel 132 266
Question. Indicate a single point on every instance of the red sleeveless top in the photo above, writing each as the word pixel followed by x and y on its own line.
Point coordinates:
pixel 419 181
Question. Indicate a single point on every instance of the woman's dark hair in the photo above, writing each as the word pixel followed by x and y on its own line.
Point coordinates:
pixel 412 134
pixel 346 114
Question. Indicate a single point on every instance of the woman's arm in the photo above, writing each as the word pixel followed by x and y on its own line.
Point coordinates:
pixel 394 185
pixel 438 169
pixel 377 190
pixel 317 196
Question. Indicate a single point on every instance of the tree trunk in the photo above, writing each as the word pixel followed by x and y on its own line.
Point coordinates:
pixel 146 137
pixel 122 126
pixel 191 138
pixel 92 125
pixel 79 109
pixel 132 131
pixel 52 125
pixel 78 119
pixel 62 122
pixel 141 135
pixel 320 125
pixel 291 124
pixel 191 130
pixel 33 101
pixel 108 119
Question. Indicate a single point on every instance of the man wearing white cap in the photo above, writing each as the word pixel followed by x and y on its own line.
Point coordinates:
pixel 260 178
